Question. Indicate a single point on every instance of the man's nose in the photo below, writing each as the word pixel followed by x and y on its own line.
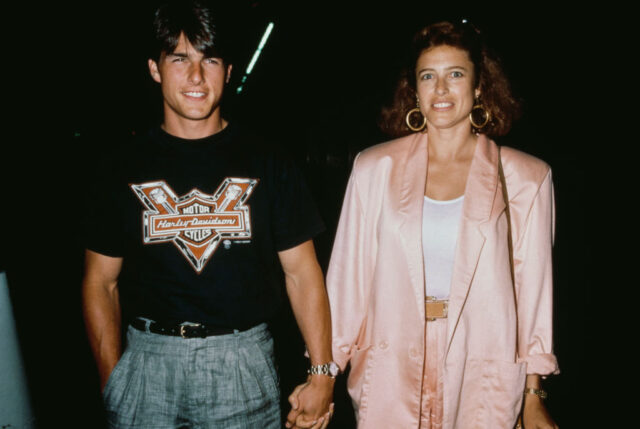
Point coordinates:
pixel 195 74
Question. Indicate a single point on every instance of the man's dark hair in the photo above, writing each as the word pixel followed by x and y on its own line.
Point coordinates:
pixel 199 23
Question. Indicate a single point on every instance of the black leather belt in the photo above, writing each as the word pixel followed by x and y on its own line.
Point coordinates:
pixel 196 330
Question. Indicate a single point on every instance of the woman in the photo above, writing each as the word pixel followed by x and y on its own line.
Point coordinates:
pixel 440 278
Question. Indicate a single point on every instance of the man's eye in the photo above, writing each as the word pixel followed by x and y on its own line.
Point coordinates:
pixel 212 61
pixel 456 74
pixel 178 60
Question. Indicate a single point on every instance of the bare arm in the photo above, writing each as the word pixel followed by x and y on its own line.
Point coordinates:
pixel 101 309
pixel 534 412
pixel 308 296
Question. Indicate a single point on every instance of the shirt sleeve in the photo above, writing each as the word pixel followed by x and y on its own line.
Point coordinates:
pixel 534 283
pixel 102 230
pixel 295 216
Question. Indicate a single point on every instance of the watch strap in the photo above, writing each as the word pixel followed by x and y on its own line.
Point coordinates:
pixel 324 369
pixel 538 392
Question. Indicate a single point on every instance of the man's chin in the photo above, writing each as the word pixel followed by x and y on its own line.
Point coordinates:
pixel 198 115
pixel 195 115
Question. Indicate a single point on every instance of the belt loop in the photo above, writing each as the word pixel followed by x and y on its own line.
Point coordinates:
pixel 147 324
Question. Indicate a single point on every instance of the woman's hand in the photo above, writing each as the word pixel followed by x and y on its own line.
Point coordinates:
pixel 311 405
pixel 535 414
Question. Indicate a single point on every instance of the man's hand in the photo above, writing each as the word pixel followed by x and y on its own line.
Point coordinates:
pixel 310 401
pixel 311 405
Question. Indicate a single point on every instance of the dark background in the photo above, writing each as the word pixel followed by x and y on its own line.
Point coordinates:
pixel 77 70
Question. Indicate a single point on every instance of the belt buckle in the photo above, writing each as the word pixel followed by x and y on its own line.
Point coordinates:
pixel 445 307
pixel 183 329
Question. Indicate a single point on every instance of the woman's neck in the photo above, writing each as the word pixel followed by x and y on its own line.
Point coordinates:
pixel 451 144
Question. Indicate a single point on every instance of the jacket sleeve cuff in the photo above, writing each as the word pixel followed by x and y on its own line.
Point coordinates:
pixel 341 356
pixel 542 364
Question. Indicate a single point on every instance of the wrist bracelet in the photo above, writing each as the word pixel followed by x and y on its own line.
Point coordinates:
pixel 538 392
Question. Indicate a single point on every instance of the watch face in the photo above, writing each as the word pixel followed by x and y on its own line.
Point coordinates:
pixel 334 369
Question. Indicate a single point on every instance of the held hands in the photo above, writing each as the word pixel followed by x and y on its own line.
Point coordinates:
pixel 535 414
pixel 311 403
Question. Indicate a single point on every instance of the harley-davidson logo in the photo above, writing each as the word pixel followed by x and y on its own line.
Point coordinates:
pixel 196 222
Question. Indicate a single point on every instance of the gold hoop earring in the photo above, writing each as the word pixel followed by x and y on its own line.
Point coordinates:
pixel 408 120
pixel 416 109
pixel 485 113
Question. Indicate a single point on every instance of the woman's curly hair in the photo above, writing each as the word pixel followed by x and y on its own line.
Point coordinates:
pixel 496 96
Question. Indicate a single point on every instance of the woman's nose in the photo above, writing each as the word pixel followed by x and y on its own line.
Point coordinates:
pixel 441 86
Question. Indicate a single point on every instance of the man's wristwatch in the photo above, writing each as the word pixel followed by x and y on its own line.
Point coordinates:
pixel 331 369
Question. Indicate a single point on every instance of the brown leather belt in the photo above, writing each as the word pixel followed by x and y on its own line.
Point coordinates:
pixel 435 308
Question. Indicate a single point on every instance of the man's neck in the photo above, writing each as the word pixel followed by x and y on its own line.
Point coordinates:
pixel 188 129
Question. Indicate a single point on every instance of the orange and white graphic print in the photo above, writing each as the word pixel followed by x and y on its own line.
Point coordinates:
pixel 196 222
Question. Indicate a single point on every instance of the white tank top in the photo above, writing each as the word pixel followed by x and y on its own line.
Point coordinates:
pixel 440 222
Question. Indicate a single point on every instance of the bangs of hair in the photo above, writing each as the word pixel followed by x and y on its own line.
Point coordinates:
pixel 458 35
pixel 194 20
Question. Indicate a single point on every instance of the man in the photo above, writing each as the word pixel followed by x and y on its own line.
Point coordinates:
pixel 190 237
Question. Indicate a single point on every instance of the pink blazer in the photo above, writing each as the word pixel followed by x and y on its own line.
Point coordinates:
pixel 497 331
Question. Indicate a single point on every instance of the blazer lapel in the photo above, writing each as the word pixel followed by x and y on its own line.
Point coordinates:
pixel 479 197
pixel 411 183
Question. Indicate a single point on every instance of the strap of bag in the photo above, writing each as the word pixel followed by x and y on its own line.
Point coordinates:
pixel 505 196
pixel 507 210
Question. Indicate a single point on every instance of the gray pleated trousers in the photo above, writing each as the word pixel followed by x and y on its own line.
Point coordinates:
pixel 226 381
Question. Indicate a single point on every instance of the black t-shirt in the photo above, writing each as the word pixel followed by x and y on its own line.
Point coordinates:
pixel 199 224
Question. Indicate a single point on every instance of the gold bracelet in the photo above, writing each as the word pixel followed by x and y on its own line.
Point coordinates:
pixel 538 392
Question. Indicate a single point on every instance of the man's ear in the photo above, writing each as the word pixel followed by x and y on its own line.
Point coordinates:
pixel 228 78
pixel 153 71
